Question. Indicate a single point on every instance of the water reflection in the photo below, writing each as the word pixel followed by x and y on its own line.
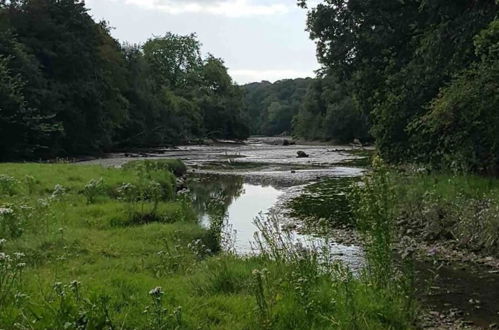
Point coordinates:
pixel 228 204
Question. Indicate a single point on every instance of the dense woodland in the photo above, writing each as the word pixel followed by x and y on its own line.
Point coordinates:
pixel 310 109
pixel 425 73
pixel 271 108
pixel 67 87
pixel 420 78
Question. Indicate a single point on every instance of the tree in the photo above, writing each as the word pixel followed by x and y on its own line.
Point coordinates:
pixel 396 56
pixel 270 108
pixel 176 59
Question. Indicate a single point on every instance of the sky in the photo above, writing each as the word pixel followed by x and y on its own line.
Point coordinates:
pixel 257 39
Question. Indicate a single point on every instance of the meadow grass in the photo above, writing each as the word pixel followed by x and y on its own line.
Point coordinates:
pixel 85 247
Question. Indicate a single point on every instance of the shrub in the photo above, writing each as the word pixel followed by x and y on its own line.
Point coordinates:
pixel 8 185
pixel 93 189
pixel 175 166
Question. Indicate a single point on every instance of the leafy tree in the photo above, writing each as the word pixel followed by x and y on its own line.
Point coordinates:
pixel 460 130
pixel 20 126
pixel 221 101
pixel 176 59
pixel 329 113
pixel 396 57
pixel 270 108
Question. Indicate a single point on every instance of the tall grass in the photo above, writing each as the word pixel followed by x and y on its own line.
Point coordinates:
pixel 460 211
pixel 86 266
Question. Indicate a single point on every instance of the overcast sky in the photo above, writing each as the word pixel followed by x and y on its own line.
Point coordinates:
pixel 258 39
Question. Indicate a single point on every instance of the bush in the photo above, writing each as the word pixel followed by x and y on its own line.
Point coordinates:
pixel 175 166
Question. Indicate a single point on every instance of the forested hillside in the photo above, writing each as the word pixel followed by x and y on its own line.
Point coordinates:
pixel 67 87
pixel 310 109
pixel 270 108
pixel 426 73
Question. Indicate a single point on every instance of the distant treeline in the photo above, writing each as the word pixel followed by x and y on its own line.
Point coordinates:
pixel 311 109
pixel 67 87
pixel 424 73
pixel 270 107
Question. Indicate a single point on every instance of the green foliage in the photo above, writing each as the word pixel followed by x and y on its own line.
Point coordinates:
pixel 270 108
pixel 85 266
pixel 330 113
pixel 68 87
pixel 460 210
pixel 460 129
pixel 418 70
pixel 374 205
pixel 175 166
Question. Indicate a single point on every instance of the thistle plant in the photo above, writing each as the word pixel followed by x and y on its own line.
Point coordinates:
pixel 10 221
pixel 8 185
pixel 159 317
pixel 58 192
pixel 93 189
pixel 11 267
pixel 74 311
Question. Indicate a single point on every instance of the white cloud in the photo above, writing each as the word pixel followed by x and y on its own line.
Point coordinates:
pixel 246 76
pixel 229 8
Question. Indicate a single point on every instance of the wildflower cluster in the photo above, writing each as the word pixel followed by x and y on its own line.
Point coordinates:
pixel 58 192
pixel 8 185
pixel 199 248
pixel 11 267
pixel 93 189
pixel 9 221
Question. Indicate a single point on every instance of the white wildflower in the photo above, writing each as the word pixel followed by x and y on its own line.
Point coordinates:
pixel 6 211
pixel 156 292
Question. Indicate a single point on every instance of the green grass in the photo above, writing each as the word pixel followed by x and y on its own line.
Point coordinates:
pixel 91 263
pixel 461 211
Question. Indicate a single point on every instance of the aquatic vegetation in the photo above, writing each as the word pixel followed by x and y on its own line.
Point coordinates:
pixel 325 205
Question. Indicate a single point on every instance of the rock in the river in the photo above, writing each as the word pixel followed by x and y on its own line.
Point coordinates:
pixel 302 154
pixel 286 142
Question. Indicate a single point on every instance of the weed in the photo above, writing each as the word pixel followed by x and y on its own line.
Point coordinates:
pixel 159 316
pixel 8 185
pixel 30 183
pixel 11 268
pixel 93 189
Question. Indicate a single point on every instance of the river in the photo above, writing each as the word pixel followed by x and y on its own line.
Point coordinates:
pixel 259 179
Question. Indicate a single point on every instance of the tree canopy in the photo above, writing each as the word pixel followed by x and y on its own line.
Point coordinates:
pixel 69 88
pixel 424 72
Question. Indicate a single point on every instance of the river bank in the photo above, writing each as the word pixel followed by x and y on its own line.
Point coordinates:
pixel 87 247
pixel 267 162
pixel 205 234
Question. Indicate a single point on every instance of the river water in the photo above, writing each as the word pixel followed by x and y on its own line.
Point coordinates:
pixel 242 182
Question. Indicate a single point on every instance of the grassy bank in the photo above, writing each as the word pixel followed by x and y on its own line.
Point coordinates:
pixel 84 247
pixel 457 212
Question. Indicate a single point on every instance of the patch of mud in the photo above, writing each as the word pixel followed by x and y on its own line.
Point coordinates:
pixel 469 294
